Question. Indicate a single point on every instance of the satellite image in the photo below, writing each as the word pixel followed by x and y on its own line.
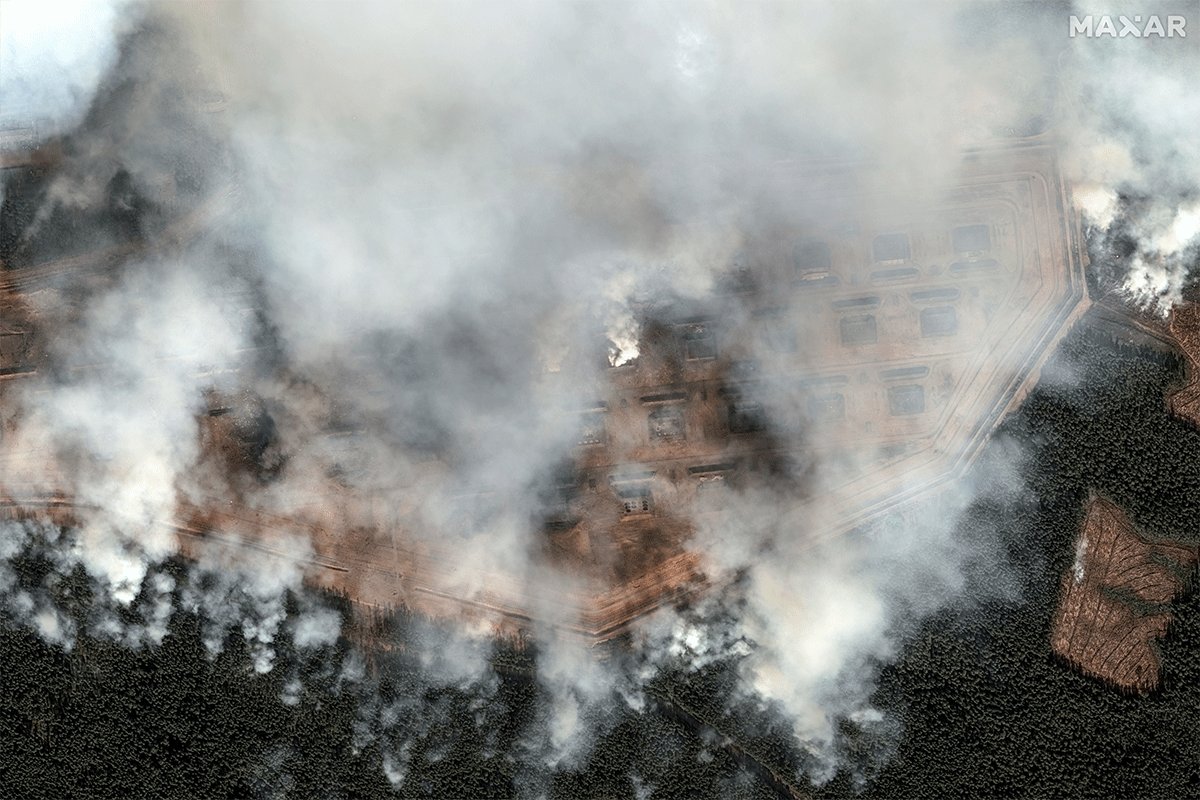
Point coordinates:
pixel 646 399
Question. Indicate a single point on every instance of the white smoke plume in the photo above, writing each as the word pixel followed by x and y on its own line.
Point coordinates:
pixel 52 61
pixel 427 205
pixel 1129 111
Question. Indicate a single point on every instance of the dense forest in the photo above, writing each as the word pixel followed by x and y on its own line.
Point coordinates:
pixel 980 706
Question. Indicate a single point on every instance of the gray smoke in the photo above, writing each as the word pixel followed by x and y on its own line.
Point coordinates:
pixel 432 205
pixel 51 62
pixel 1131 107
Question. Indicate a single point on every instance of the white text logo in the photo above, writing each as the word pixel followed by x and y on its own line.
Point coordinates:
pixel 1121 26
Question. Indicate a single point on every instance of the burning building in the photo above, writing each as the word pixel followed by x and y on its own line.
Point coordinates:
pixel 854 363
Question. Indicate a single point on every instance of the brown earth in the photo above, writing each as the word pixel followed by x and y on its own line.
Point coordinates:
pixel 1184 326
pixel 1114 600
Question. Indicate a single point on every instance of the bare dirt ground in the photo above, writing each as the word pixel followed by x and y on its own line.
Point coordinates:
pixel 1185 329
pixel 1114 601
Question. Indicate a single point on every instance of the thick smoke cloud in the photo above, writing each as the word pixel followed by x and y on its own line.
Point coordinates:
pixel 52 63
pixel 432 207
pixel 1132 149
